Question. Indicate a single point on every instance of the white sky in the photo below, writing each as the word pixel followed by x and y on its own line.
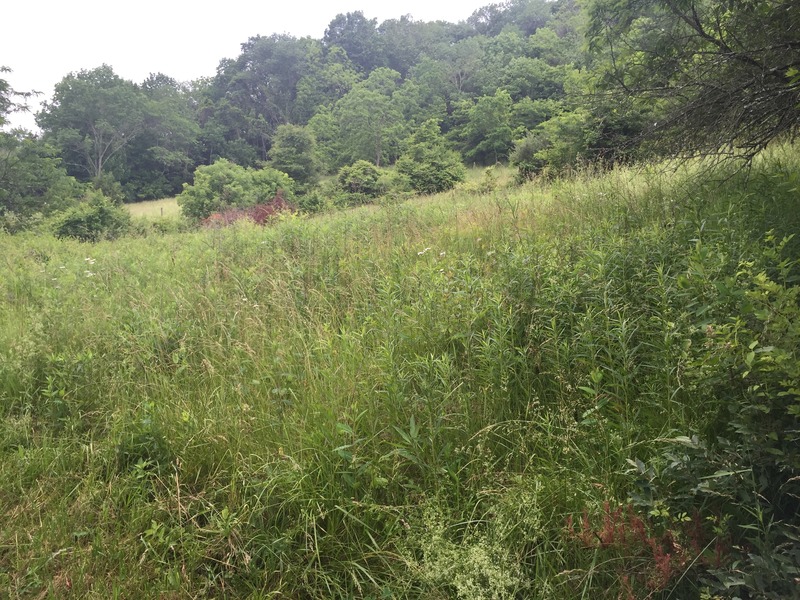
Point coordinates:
pixel 44 41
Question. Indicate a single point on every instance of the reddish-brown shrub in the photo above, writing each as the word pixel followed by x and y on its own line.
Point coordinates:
pixel 653 555
pixel 260 213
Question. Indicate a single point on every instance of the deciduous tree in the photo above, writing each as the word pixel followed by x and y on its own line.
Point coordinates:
pixel 429 163
pixel 724 71
pixel 93 116
pixel 370 120
pixel 294 152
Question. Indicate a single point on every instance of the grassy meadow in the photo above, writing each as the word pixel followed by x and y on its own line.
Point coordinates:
pixel 166 207
pixel 448 397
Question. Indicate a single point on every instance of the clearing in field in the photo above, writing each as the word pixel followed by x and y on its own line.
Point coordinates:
pixel 166 207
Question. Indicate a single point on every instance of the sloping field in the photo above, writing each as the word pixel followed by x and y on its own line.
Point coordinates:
pixel 544 392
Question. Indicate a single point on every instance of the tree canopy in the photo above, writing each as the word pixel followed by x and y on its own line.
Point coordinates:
pixel 549 82
pixel 723 72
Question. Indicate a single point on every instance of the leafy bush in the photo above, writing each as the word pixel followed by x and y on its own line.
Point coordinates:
pixel 429 164
pixel 360 178
pixel 109 187
pixel 33 183
pixel 486 185
pixel 224 184
pixel 357 184
pixel 93 219
pixel 526 156
pixel 260 214
pixel 741 474
pixel 558 143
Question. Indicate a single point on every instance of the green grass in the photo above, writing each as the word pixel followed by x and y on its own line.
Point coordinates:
pixel 404 401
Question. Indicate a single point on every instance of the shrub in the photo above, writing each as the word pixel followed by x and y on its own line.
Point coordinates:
pixel 740 472
pixel 93 219
pixel 429 164
pixel 526 157
pixel 486 185
pixel 260 214
pixel 360 178
pixel 109 187
pixel 356 184
pixel 224 185
pixel 559 143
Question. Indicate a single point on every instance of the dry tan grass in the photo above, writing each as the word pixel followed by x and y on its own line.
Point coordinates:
pixel 166 207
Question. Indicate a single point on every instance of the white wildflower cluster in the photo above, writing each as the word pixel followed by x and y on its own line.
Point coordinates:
pixel 89 261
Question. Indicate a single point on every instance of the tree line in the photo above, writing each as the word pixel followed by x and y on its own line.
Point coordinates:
pixel 545 84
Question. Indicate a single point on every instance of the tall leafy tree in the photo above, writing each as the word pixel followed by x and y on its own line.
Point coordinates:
pixel 487 135
pixel 294 152
pixel 724 71
pixel 328 75
pixel 533 78
pixel 405 41
pixel 242 106
pixel 359 38
pixel 497 52
pixel 463 59
pixel 324 126
pixel 370 119
pixel 161 158
pixel 93 116
pixel 32 180
pixel 265 75
pixel 11 100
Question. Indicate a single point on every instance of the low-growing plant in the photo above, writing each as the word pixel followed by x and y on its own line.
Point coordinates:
pixel 260 214
pixel 410 400
pixel 94 218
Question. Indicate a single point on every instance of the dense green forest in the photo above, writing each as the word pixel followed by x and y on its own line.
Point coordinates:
pixel 572 374
pixel 547 85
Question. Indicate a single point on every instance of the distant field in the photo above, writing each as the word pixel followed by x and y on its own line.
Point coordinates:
pixel 503 173
pixel 166 207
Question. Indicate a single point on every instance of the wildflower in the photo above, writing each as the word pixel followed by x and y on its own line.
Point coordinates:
pixel 89 274
pixel 91 261
pixel 442 253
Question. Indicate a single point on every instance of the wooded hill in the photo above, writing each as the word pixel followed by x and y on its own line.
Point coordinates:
pixel 547 84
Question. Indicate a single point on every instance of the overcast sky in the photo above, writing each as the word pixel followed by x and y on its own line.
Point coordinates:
pixel 45 40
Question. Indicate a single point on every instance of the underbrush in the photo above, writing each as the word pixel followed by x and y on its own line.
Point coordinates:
pixel 584 389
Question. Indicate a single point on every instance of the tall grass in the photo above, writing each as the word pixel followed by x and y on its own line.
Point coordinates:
pixel 406 401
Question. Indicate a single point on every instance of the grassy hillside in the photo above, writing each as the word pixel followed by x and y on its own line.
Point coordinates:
pixel 464 396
